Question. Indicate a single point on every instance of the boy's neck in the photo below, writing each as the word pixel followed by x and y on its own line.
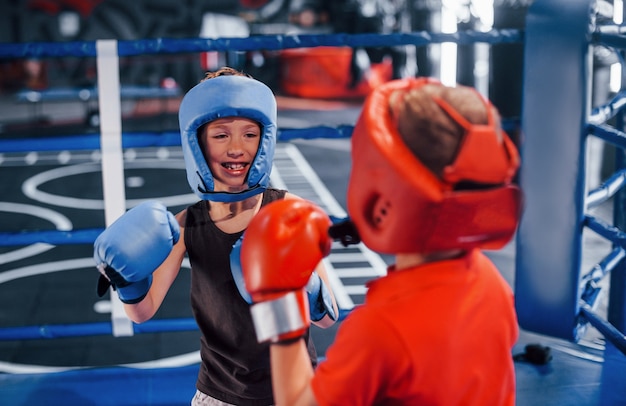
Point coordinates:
pixel 220 211
pixel 405 261
pixel 234 216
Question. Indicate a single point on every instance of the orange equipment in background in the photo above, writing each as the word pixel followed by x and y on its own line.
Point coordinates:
pixel 325 73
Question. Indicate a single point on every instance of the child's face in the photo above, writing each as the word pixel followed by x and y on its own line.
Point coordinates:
pixel 229 145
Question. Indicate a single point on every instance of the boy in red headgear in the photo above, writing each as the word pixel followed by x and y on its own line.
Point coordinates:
pixel 431 183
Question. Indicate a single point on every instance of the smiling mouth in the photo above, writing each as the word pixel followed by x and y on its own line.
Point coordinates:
pixel 235 166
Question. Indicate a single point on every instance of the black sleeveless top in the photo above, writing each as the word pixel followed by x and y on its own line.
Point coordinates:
pixel 235 367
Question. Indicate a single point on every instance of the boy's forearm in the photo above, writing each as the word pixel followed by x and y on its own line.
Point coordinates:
pixel 291 374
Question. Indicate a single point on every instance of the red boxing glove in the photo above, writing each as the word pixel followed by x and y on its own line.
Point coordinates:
pixel 281 247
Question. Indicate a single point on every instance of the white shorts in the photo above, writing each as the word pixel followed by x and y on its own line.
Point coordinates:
pixel 201 399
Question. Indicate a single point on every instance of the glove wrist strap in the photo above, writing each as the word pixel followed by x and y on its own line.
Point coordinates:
pixel 275 319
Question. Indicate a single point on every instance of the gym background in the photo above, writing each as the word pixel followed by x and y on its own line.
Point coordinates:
pixel 84 20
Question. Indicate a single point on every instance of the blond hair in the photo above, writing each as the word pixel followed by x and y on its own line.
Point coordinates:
pixel 224 71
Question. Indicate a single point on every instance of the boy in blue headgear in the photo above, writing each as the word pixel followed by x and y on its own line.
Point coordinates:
pixel 228 135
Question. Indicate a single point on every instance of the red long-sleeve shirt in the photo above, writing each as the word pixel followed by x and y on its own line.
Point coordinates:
pixel 437 334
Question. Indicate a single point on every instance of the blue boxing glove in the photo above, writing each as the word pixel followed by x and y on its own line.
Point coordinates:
pixel 235 270
pixel 132 248
pixel 320 302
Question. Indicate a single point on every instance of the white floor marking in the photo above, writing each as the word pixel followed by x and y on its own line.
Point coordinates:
pixel 47 267
pixel 60 222
pixel 75 157
pixel 31 158
pixel 72 264
pixel 182 360
pixel 31 186
pixel 102 307
pixel 64 157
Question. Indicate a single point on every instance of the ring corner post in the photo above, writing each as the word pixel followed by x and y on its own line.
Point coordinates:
pixel 555 107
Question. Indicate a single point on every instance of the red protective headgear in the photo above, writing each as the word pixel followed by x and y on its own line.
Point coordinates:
pixel 400 206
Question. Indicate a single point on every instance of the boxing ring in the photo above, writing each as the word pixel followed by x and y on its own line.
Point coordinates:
pixel 556 296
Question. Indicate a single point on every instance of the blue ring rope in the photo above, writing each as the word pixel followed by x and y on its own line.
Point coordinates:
pixel 52 331
pixel 172 138
pixel 149 139
pixel 91 329
pixel 54 237
pixel 257 42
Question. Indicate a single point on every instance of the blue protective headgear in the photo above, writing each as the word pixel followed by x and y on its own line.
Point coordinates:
pixel 227 96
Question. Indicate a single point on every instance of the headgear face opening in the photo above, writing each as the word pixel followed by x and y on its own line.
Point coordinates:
pixel 399 206
pixel 227 96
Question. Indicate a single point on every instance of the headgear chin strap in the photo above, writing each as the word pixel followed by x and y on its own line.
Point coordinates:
pixel 227 96
pixel 399 206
